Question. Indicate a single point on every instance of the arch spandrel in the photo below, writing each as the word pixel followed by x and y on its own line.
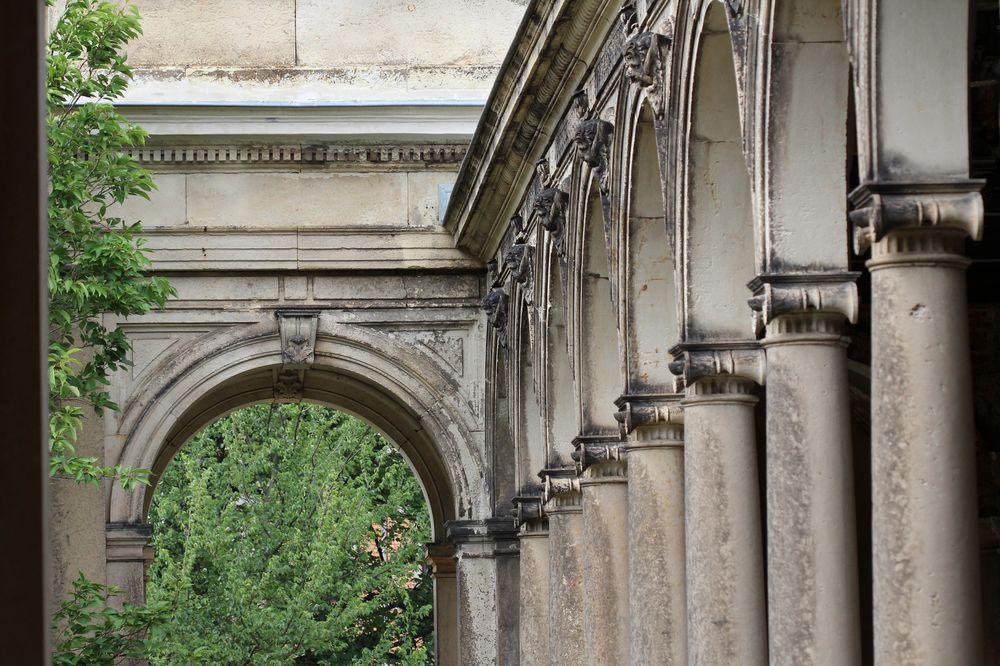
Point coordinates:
pixel 402 392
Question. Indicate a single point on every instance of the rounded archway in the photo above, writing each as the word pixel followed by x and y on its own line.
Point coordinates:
pixel 391 385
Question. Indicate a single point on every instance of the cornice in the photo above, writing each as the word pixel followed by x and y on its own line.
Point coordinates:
pixel 350 157
pixel 199 123
pixel 544 68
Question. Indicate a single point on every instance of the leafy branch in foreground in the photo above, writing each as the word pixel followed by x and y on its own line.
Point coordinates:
pixel 97 263
pixel 89 632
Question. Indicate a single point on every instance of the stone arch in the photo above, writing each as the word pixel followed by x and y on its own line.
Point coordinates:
pixel 716 240
pixel 401 393
pixel 528 438
pixel 806 75
pixel 598 375
pixel 559 413
pixel 646 276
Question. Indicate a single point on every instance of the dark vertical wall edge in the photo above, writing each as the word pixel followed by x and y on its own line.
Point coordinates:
pixel 24 584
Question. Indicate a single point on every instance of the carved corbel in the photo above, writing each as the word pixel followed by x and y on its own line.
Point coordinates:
pixel 788 294
pixel 645 66
pixel 640 411
pixel 593 141
pixel 884 207
pixel 495 305
pixel 697 361
pixel 550 206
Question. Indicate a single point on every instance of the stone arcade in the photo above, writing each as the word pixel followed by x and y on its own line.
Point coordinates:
pixel 685 372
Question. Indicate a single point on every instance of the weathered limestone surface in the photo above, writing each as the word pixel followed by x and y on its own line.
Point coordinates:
pixel 534 595
pixel 657 597
pixel 604 551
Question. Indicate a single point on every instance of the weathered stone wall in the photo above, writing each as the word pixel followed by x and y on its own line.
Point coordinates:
pixel 317 51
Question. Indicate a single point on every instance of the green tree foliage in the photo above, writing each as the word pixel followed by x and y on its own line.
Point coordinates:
pixel 290 534
pixel 97 264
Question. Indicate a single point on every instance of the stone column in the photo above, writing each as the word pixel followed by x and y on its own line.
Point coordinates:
pixel 812 571
pixel 604 499
pixel 565 621
pixel 727 622
pixel 128 557
pixel 479 615
pixel 534 584
pixel 657 600
pixel 441 557
pixel 925 561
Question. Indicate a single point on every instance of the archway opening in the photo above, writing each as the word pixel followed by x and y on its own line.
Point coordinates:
pixel 599 377
pixel 528 434
pixel 560 411
pixel 290 533
pixel 650 312
pixel 720 230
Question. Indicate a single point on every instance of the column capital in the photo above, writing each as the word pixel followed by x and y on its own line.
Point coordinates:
pixel 697 361
pixel 529 506
pixel 482 538
pixel 952 208
pixel 441 558
pixel 649 410
pixel 597 449
pixel 804 303
pixel 128 542
pixel 562 491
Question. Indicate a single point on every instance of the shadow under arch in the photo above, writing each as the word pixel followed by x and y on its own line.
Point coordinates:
pixel 395 388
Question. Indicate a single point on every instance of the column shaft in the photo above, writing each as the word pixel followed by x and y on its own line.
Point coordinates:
pixel 812 569
pixel 534 594
pixel 565 580
pixel 657 611
pixel 926 566
pixel 441 557
pixel 605 563
pixel 725 568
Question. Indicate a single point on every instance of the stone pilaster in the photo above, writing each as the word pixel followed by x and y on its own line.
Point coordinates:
pixel 812 572
pixel 657 601
pixel 128 557
pixel 565 616
pixel 441 557
pixel 477 545
pixel 723 537
pixel 604 499
pixel 533 599
pixel 925 561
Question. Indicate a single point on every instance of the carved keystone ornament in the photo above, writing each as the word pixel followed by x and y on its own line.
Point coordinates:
pixel 495 305
pixel 550 206
pixel 297 329
pixel 645 66
pixel 593 140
